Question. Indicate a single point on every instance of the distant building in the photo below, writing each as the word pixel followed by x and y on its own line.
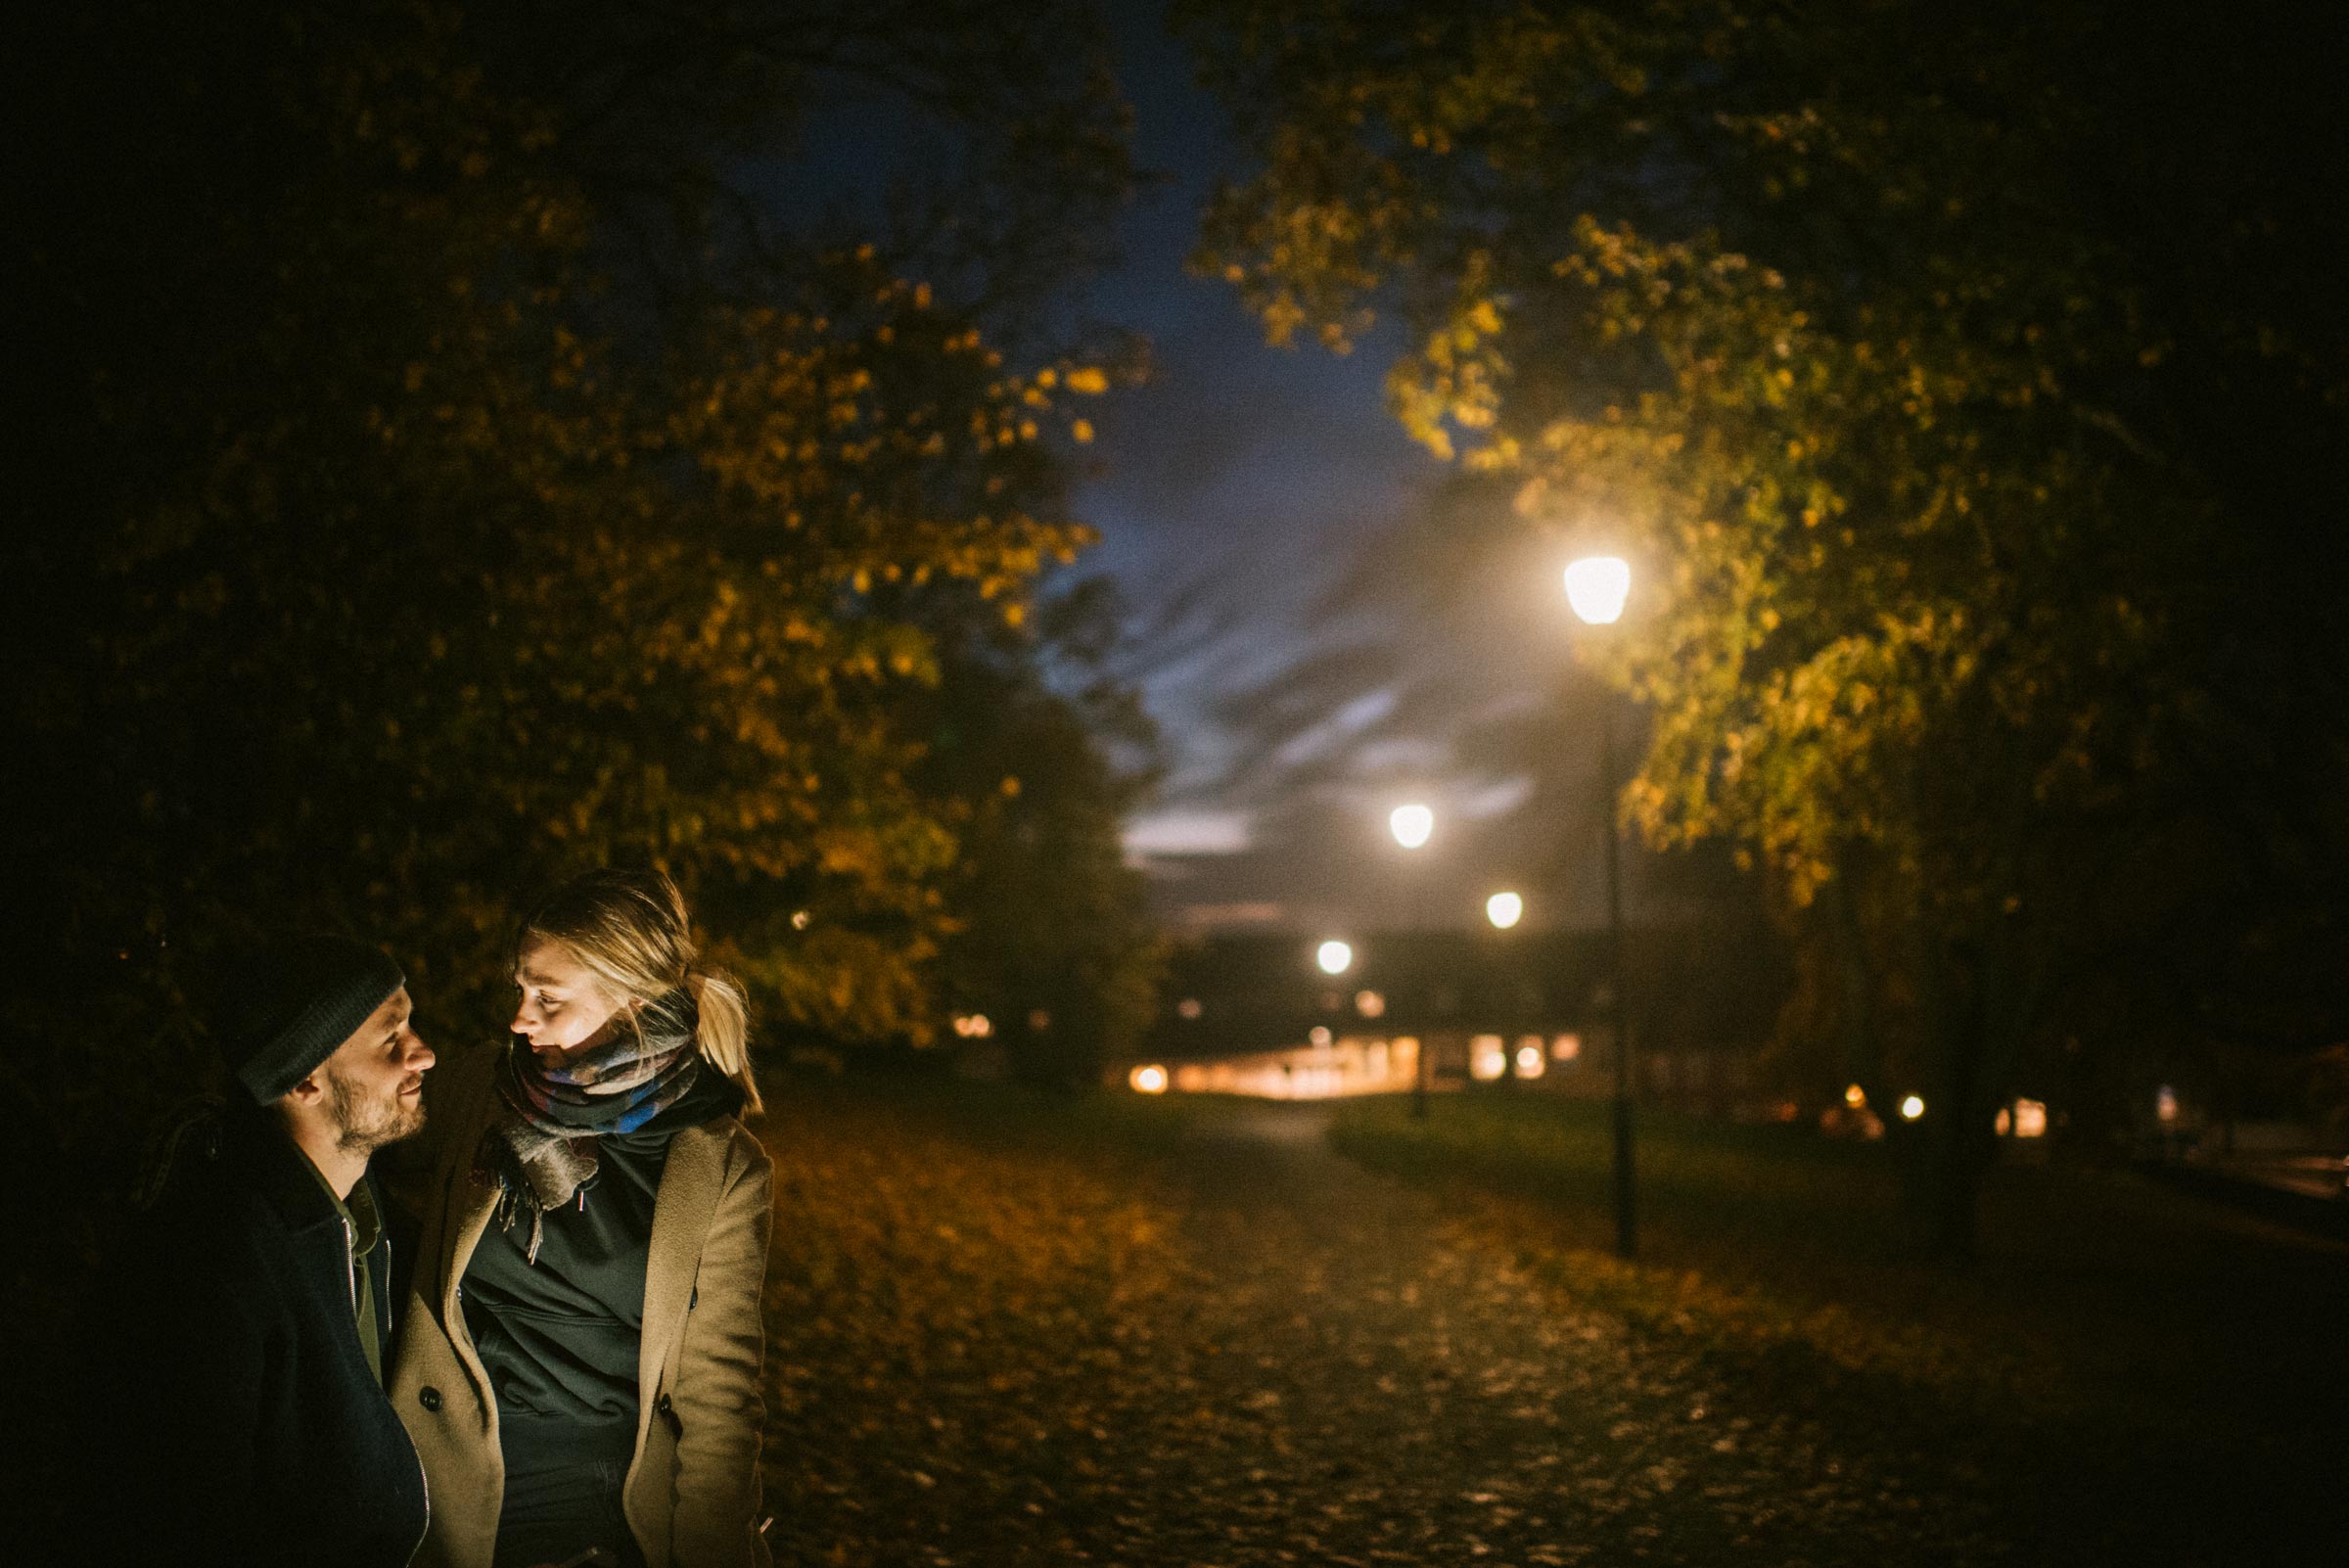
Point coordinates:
pixel 1256 1013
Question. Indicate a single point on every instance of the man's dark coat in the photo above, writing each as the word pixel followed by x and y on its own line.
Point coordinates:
pixel 236 1417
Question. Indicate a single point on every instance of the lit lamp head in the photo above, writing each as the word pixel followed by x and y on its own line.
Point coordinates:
pixel 1411 826
pixel 1334 957
pixel 1505 909
pixel 1597 586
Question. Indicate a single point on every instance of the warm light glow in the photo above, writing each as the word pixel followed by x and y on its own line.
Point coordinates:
pixel 1187 1008
pixel 973 1026
pixel 1855 1096
pixel 1369 1003
pixel 1148 1080
pixel 2002 1124
pixel 799 920
pixel 1319 1035
pixel 1487 1058
pixel 1411 826
pixel 1529 1061
pixel 1597 586
pixel 1565 1047
pixel 2165 1105
pixel 1505 909
pixel 1334 957
pixel 1912 1108
pixel 2030 1118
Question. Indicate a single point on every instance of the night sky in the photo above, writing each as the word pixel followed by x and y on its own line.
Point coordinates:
pixel 1264 515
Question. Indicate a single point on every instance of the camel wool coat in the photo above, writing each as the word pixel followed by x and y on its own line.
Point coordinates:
pixel 692 1490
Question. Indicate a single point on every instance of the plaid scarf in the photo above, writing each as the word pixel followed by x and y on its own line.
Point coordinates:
pixel 540 1151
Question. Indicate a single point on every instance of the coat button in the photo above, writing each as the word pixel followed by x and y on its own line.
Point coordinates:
pixel 428 1397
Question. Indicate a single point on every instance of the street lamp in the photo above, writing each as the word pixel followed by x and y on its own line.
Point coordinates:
pixel 1505 909
pixel 1597 586
pixel 1412 826
pixel 1334 957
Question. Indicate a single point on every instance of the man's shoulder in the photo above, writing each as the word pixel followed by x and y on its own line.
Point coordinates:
pixel 212 1229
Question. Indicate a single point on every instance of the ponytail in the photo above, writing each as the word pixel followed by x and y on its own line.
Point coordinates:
pixel 723 1031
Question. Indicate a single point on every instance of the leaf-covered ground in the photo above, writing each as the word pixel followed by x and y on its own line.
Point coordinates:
pixel 1200 1336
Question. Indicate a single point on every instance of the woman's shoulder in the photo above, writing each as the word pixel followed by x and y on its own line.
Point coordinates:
pixel 457 1089
pixel 734 1144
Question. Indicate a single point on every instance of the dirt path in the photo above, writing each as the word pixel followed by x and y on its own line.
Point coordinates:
pixel 1318 1369
pixel 1393 1391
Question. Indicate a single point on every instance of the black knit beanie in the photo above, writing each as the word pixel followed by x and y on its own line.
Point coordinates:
pixel 287 1006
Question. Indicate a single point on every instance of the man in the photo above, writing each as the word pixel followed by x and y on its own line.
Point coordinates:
pixel 237 1339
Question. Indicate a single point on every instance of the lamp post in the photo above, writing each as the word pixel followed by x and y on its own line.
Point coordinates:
pixel 1412 826
pixel 1596 587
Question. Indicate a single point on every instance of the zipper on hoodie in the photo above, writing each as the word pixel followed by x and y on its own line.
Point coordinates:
pixel 350 1266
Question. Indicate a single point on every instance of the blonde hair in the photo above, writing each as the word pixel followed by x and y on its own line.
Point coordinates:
pixel 629 929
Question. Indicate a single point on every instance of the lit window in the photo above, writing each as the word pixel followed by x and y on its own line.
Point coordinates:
pixel 1487 1058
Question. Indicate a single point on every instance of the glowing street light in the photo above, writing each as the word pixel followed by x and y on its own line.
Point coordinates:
pixel 1334 957
pixel 1912 1107
pixel 1597 586
pixel 1505 909
pixel 1413 826
pixel 1151 1080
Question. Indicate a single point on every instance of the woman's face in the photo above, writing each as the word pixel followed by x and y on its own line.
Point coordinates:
pixel 564 1008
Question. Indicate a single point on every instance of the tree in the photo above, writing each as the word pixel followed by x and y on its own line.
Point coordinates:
pixel 1052 940
pixel 457 465
pixel 1960 374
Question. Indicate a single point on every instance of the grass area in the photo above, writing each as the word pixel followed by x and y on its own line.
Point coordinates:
pixel 2098 1296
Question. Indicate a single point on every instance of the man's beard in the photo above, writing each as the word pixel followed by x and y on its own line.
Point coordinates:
pixel 362 1127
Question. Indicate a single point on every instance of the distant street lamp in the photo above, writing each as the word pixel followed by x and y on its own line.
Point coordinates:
pixel 1334 957
pixel 1412 826
pixel 1597 586
pixel 1505 909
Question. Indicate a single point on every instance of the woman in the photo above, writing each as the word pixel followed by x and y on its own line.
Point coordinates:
pixel 579 1361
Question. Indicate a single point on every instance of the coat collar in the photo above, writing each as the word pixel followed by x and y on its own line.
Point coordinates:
pixel 258 1148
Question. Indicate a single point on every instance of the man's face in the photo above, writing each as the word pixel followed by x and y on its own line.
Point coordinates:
pixel 375 1081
